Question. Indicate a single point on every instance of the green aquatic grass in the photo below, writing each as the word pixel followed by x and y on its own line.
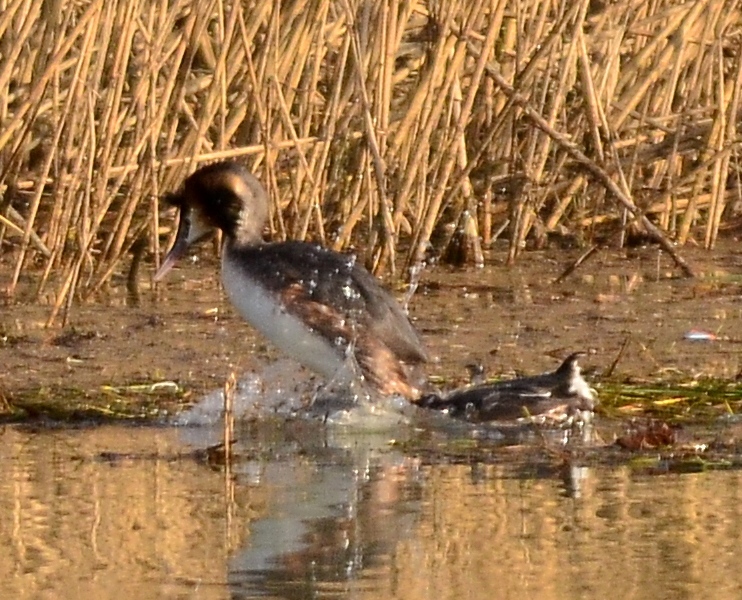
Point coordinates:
pixel 148 402
pixel 687 401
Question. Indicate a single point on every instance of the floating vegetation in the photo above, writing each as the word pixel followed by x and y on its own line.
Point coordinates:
pixel 652 428
pixel 696 401
pixel 685 401
pixel 646 446
pixel 139 402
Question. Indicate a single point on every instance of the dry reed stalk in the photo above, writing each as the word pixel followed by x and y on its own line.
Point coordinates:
pixel 595 170
pixel 679 20
pixel 424 229
pixel 313 207
pixel 31 103
pixel 377 160
pixel 380 60
pixel 423 112
pixel 556 215
pixel 321 154
pixel 371 124
pixel 310 187
pixel 17 224
pixel 114 123
pixel 230 389
pixel 563 62
pixel 462 117
pixel 12 60
pixel 359 207
pixel 505 116
pixel 729 97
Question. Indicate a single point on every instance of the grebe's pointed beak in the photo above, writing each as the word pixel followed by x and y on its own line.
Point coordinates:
pixel 180 247
pixel 190 230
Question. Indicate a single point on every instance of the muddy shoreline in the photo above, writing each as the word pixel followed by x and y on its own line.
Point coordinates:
pixel 515 321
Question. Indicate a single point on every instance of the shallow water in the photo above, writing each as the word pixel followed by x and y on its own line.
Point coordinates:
pixel 116 512
pixel 514 320
pixel 320 512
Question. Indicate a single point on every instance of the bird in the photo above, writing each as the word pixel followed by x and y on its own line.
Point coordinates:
pixel 552 397
pixel 318 306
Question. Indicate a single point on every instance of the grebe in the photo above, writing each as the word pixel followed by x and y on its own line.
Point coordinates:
pixel 318 306
pixel 553 397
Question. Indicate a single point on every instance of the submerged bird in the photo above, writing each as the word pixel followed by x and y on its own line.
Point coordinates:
pixel 318 306
pixel 551 397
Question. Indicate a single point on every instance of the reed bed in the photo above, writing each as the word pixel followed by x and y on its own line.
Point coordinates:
pixel 382 126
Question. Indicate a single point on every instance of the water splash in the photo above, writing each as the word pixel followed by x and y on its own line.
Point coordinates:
pixel 281 390
pixel 277 388
pixel 416 272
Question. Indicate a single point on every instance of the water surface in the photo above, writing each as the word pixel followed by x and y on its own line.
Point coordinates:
pixel 312 512
pixel 120 512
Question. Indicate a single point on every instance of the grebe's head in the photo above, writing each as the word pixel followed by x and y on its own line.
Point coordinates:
pixel 224 195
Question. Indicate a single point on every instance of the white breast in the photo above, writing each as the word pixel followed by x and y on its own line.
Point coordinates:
pixel 266 314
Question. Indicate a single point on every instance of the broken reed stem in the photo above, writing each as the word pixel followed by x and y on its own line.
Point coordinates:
pixel 612 369
pixel 572 267
pixel 388 121
pixel 230 388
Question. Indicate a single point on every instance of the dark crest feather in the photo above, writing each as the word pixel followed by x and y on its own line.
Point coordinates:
pixel 172 199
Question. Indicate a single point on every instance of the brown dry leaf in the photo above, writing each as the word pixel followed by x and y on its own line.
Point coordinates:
pixel 647 436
